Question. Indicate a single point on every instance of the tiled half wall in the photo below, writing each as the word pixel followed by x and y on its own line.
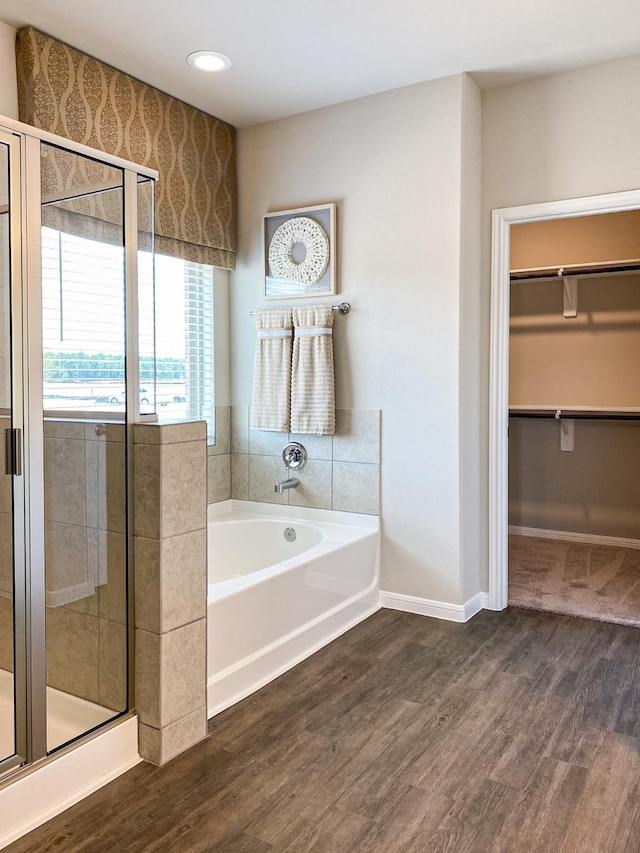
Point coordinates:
pixel 342 471
pixel 170 542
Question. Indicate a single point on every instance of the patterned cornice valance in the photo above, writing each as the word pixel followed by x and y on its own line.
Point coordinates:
pixel 68 93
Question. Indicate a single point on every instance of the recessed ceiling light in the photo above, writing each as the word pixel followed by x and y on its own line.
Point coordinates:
pixel 208 60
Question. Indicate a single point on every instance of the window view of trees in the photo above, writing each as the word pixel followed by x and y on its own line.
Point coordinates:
pixel 105 367
pixel 83 319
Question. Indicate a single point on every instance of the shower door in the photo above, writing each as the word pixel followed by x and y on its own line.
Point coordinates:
pixel 12 562
pixel 69 395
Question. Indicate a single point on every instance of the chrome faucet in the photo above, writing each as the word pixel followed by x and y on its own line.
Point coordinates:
pixel 289 483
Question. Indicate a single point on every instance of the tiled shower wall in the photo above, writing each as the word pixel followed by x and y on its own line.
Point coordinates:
pixel 342 470
pixel 86 565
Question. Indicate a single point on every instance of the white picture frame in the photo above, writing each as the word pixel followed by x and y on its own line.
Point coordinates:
pixel 300 247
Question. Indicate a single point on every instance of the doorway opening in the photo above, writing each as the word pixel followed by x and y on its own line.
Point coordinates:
pixel 565 557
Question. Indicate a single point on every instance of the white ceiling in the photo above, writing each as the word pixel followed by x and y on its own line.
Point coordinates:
pixel 290 56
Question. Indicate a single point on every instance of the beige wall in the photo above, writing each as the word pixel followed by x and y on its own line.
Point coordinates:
pixel 589 360
pixel 395 164
pixel 473 534
pixel 570 135
pixel 595 239
pixel 593 489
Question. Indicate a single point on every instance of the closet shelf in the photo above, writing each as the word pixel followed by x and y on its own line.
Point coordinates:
pixel 585 412
pixel 630 265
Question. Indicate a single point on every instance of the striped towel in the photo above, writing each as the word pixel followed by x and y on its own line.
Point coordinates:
pixel 313 404
pixel 272 371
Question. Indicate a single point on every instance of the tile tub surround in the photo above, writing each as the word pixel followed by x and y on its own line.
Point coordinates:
pixel 219 459
pixel 170 549
pixel 342 471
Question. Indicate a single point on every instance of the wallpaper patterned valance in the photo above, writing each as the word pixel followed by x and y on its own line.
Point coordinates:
pixel 66 92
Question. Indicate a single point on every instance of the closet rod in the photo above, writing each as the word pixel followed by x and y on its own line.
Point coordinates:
pixel 578 414
pixel 631 266
pixel 343 308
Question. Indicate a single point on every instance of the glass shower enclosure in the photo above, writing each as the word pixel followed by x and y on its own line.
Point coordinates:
pixel 72 224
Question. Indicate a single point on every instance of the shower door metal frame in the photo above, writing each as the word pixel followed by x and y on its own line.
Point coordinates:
pixel 13 144
pixel 27 415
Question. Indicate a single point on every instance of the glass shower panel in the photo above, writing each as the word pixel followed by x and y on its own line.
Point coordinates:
pixel 146 299
pixel 7 690
pixel 85 465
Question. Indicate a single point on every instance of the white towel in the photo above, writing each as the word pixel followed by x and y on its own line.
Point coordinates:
pixel 313 405
pixel 272 371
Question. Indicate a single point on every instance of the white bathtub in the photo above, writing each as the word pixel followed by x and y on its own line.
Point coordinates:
pixel 272 603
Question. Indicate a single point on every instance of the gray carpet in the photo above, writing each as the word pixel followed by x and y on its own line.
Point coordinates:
pixel 595 581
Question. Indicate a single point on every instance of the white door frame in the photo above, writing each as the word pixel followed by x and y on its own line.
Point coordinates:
pixel 502 220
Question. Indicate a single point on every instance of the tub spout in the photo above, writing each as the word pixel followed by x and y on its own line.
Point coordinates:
pixel 290 483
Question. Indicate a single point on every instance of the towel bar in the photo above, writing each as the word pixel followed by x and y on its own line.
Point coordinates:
pixel 343 308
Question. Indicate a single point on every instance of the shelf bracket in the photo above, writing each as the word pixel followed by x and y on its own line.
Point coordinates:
pixel 570 296
pixel 567 434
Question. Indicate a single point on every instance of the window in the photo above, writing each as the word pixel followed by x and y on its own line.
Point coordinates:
pixel 83 302
pixel 176 338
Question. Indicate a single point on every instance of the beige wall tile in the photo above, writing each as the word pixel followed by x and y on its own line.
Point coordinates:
pixel 115 432
pixel 64 429
pixel 169 433
pixel 150 743
pixel 67 561
pixel 223 432
pixel 93 451
pixel 113 665
pixel 317 446
pixel 90 604
pixel 239 429
pixel 146 490
pixel 147 584
pixel 112 486
pixel 113 561
pixel 240 476
pixel 184 487
pixel 6 491
pixel 6 633
pixel 6 553
pixel 315 485
pixel 184 733
pixel 183 679
pixel 264 473
pixel 183 579
pixel 72 652
pixel 356 487
pixel 218 478
pixel 161 745
pixel 264 443
pixel 357 436
pixel 65 481
pixel 148 680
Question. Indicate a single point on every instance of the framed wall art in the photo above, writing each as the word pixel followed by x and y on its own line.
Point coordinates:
pixel 299 252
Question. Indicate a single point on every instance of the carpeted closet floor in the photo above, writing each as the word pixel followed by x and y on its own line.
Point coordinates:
pixel 595 581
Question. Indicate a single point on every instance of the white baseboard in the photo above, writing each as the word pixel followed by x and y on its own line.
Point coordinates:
pixel 566 536
pixel 436 609
pixel 44 793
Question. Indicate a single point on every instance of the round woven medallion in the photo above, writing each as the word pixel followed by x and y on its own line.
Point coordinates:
pixel 304 235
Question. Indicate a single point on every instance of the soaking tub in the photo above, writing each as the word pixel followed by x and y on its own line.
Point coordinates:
pixel 273 602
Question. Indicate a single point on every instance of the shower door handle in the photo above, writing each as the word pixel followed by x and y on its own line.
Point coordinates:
pixel 13 452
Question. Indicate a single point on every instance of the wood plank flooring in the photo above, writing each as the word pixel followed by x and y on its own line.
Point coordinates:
pixel 517 731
